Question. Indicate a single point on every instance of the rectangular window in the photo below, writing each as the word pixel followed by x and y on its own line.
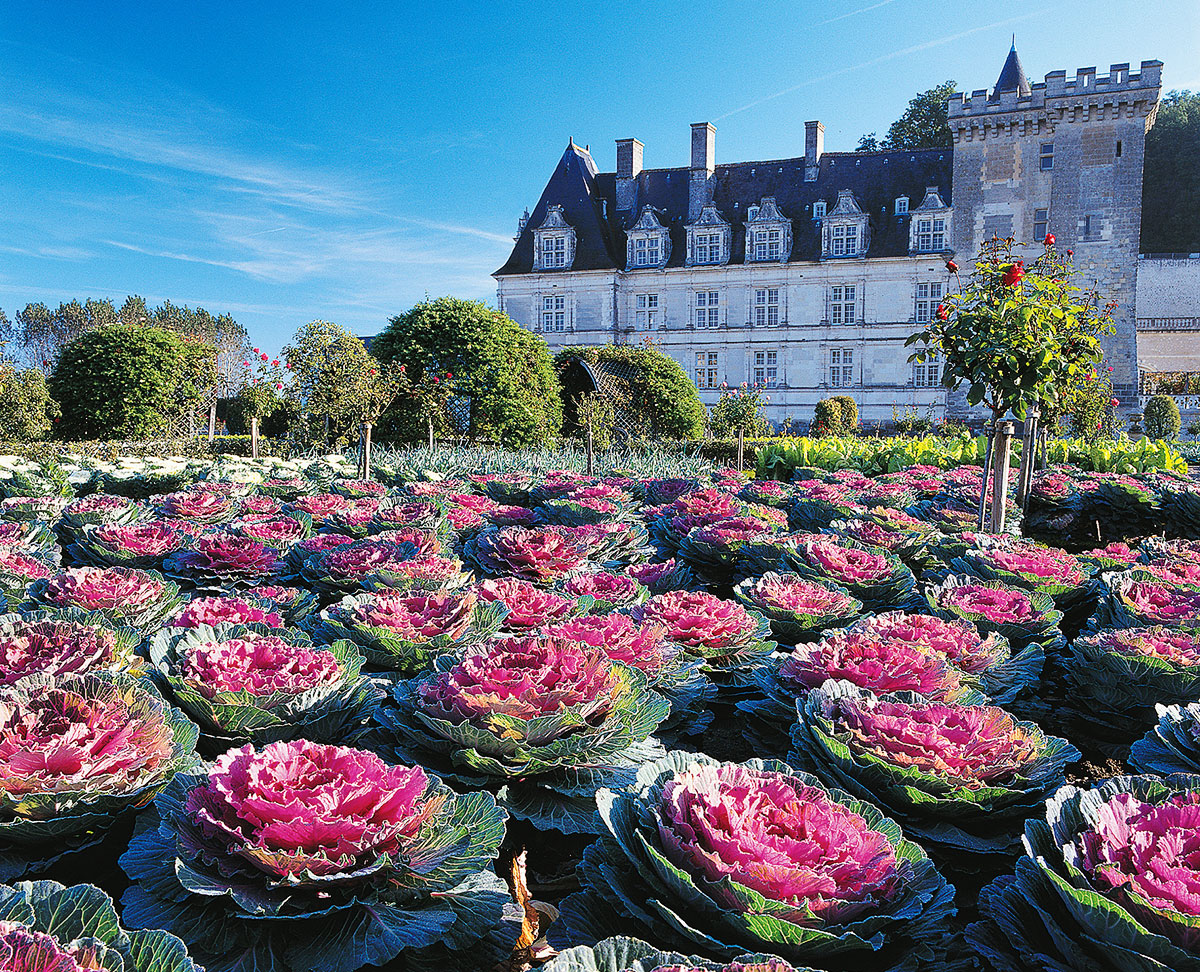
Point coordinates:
pixel 646 309
pixel 927 374
pixel 768 245
pixel 645 252
pixel 766 307
pixel 708 308
pixel 931 235
pixel 1041 224
pixel 554 251
pixel 554 313
pixel 901 205
pixel 842 304
pixel 766 368
pixel 706 369
pixel 1047 156
pixel 841 367
pixel 819 209
pixel 844 240
pixel 1090 228
pixel 708 248
pixel 929 295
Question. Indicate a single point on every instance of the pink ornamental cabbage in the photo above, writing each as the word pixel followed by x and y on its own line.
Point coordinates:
pixel 23 949
pixel 320 507
pixel 149 538
pixel 117 591
pixel 426 541
pixel 1043 565
pixel 617 590
pixel 699 621
pixel 1157 603
pixel 641 646
pixel 998 605
pixel 791 594
pixel 294 809
pixel 261 665
pixel 463 519
pixel 222 560
pixel 1113 553
pixel 225 610
pixel 355 561
pixel 1179 573
pixel 18 569
pixel 54 647
pixel 199 506
pixel 791 843
pixel 276 532
pixel 1179 648
pixel 410 617
pixel 529 607
pixel 1147 857
pixel 956 640
pixel 523 678
pixel 973 745
pixel 846 565
pixel 261 505
pixel 870 662
pixel 542 554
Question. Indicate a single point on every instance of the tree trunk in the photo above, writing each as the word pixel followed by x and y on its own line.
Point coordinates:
pixel 987 465
pixel 430 421
pixel 1003 452
pixel 254 437
pixel 741 447
pixel 212 421
pixel 364 452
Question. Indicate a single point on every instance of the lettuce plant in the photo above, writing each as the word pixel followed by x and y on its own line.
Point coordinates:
pixel 405 632
pixel 76 753
pixel 798 608
pixel 542 555
pixel 300 856
pixel 548 720
pixel 137 598
pixel 143 544
pixel 721 858
pixel 1116 677
pixel 1108 882
pixel 219 563
pixel 960 776
pixel 67 642
pixel 528 607
pixel 249 683
pixel 46 927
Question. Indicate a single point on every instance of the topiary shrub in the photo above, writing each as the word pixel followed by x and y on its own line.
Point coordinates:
pixel 502 374
pixel 849 414
pixel 658 397
pixel 1161 418
pixel 827 417
pixel 128 381
pixel 27 412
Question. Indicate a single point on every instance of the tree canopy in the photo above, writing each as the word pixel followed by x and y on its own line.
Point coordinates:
pixel 1171 180
pixel 501 373
pixel 922 125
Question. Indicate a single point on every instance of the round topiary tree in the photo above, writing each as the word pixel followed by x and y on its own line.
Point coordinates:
pixel 503 380
pixel 1161 418
pixel 128 381
pixel 652 392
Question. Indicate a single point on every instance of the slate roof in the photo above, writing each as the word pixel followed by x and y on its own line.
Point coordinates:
pixel 588 199
pixel 1012 77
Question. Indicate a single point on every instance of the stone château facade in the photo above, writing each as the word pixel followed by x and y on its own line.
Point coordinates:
pixel 807 274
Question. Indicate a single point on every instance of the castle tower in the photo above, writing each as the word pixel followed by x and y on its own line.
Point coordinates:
pixel 1065 157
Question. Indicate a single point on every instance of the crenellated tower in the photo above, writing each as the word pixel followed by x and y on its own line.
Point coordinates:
pixel 1062 156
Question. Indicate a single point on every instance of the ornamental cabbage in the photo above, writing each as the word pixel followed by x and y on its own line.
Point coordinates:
pixel 46 927
pixel 632 955
pixel 719 858
pixel 1173 746
pixel 56 643
pixel 300 856
pixel 551 719
pixel 251 683
pixel 723 633
pixel 75 754
pixel 527 607
pixel 224 610
pixel 962 776
pixel 405 632
pixel 609 591
pixel 138 598
pixel 144 544
pixel 1108 882
pixel 345 569
pixel 873 575
pixel 219 563
pixel 798 608
pixel 1023 617
pixel 542 555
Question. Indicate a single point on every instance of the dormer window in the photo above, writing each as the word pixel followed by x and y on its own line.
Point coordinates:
pixel 844 231
pixel 708 239
pixel 929 231
pixel 554 242
pixel 901 205
pixel 647 242
pixel 768 233
pixel 819 209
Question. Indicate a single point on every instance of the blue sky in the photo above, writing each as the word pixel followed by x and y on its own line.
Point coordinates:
pixel 287 161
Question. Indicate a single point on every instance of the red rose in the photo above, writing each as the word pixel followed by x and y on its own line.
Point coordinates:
pixel 435 380
pixel 448 375
pixel 266 357
pixel 1049 240
pixel 943 312
pixel 1012 276
pixel 256 350
pixel 1115 402
pixel 275 363
pixel 952 266
pixel 1070 253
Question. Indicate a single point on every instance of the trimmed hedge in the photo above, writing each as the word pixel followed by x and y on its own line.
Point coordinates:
pixel 1161 418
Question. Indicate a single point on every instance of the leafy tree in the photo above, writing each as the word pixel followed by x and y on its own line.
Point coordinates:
pixel 501 373
pixel 128 381
pixel 1017 337
pixel 657 398
pixel 336 383
pixel 1171 178
pixel 27 412
pixel 924 124
pixel 739 408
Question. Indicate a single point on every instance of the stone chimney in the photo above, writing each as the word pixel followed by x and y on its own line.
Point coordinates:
pixel 814 147
pixel 629 164
pixel 704 139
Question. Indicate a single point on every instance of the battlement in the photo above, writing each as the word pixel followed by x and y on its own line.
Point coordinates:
pixel 1119 87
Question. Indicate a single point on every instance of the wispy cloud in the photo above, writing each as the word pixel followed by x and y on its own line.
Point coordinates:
pixel 855 13
pixel 893 55
pixel 482 234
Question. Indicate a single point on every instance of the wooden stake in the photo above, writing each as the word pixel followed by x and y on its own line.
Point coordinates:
pixel 741 447
pixel 591 444
pixel 1004 431
pixel 987 465
pixel 212 421
pixel 254 438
